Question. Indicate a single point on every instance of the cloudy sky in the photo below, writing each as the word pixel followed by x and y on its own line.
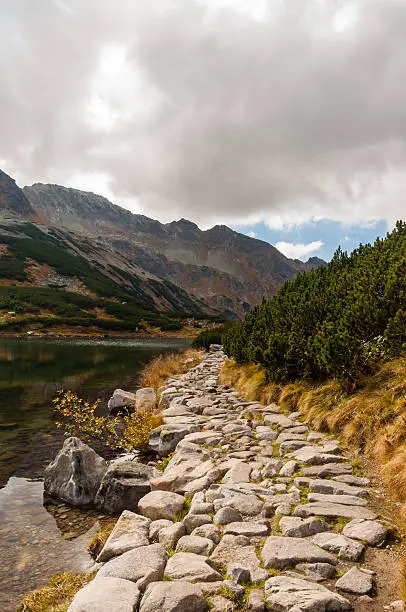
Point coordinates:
pixel 285 119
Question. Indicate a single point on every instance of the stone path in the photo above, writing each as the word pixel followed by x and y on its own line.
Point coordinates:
pixel 253 511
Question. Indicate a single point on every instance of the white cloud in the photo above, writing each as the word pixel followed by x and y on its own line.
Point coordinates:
pixel 298 250
pixel 252 234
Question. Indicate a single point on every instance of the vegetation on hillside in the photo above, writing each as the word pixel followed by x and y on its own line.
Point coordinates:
pixel 337 321
pixel 206 337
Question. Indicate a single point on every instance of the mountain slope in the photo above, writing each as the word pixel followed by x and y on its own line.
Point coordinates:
pixel 228 270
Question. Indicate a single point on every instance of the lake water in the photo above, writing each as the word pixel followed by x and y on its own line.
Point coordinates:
pixel 31 373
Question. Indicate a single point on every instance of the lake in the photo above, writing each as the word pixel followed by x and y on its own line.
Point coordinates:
pixel 32 370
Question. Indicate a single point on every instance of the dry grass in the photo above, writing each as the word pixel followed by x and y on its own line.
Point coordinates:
pixel 57 595
pixel 157 372
pixel 98 541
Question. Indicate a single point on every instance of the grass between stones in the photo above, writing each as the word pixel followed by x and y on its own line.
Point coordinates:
pixel 57 595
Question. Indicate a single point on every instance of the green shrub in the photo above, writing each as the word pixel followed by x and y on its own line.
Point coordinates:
pixel 209 336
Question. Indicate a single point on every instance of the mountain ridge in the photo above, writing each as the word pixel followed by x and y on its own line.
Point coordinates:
pixel 223 271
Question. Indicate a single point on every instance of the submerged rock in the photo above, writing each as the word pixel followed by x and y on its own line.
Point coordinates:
pixel 75 474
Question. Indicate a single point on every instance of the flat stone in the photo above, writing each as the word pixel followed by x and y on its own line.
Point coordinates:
pixel 278 419
pixel 230 553
pixel 209 531
pixel 291 445
pixel 295 527
pixel 201 507
pixel 165 438
pixel 352 480
pixel 312 456
pixel 328 469
pixel 227 515
pixel 130 531
pixel 333 487
pixel 106 594
pixel 240 472
pixel 137 563
pixel 272 468
pixel 161 505
pixel 286 594
pixel 249 529
pixel 182 469
pixel 287 435
pixel 173 597
pixel 355 582
pixel 371 532
pixel 191 567
pixel 169 536
pixel 156 526
pixel 218 603
pixel 195 544
pixel 323 570
pixel 265 433
pixel 192 521
pixel 248 505
pixel 283 552
pixel 256 601
pixel 333 510
pixel 204 437
pixel 346 548
pixel 347 500
pixel 288 469
pixel 272 501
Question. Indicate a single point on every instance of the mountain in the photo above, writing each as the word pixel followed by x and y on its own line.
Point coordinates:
pixel 166 267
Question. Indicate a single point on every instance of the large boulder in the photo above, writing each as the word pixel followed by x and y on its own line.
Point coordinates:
pixel 124 484
pixel 173 597
pixel 75 474
pixel 106 594
pixel 145 399
pixel 121 399
pixel 161 505
pixel 130 531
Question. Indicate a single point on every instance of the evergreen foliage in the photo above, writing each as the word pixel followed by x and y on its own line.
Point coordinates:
pixel 335 321
pixel 209 336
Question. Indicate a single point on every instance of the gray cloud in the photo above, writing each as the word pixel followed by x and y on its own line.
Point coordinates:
pixel 213 114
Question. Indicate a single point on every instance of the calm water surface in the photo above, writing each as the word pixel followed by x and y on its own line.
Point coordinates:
pixel 36 542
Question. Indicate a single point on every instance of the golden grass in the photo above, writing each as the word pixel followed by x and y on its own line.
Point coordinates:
pixel 157 372
pixel 98 541
pixel 372 420
pixel 57 595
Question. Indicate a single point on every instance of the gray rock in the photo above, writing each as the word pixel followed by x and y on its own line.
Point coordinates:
pixel 265 433
pixel 288 469
pixel 161 505
pixel 333 487
pixel 231 552
pixel 121 399
pixel 182 469
pixel 156 526
pixel 207 531
pixel 347 500
pixel 137 563
pixel 286 594
pixel 292 526
pixel 240 574
pixel 248 505
pixel 192 567
pixel 333 510
pixel 356 582
pixel 352 480
pixel 227 515
pixel 371 532
pixel 282 552
pixel 75 474
pixel 218 603
pixel 345 548
pixel 130 531
pixel 314 456
pixel 201 508
pixel 105 595
pixel 278 419
pixel 247 528
pixel 165 438
pixel 240 472
pixel 192 521
pixel 323 570
pixel 195 544
pixel 328 469
pixel 256 601
pixel 123 485
pixel 272 468
pixel 145 399
pixel 173 597
pixel 169 536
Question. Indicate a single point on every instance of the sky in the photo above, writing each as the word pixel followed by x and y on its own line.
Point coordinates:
pixel 284 119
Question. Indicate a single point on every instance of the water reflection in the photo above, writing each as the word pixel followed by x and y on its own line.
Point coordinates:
pixel 26 531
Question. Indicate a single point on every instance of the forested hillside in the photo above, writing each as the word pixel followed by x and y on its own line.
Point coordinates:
pixel 335 321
